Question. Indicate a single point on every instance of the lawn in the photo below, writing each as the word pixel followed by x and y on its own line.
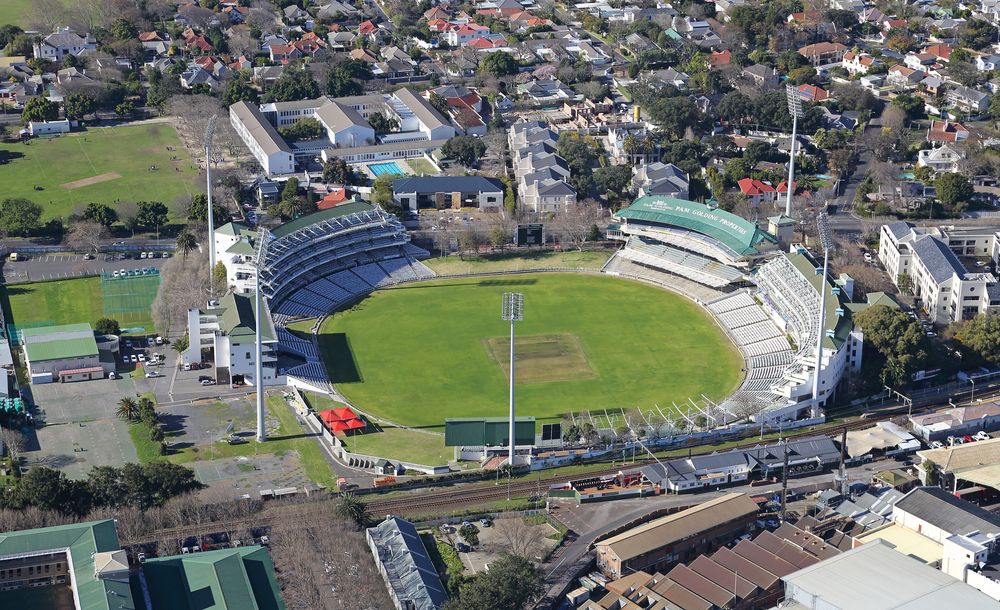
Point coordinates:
pixel 130 151
pixel 422 167
pixel 452 265
pixel 289 437
pixel 416 355
pixel 64 302
pixel 401 444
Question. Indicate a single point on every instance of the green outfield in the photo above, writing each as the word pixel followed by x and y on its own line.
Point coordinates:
pixel 85 167
pixel 418 354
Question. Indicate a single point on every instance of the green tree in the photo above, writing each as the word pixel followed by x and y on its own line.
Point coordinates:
pixel 911 104
pixel 39 109
pixel 498 237
pixel 470 535
pixel 291 190
pixel 125 109
pixel 439 103
pixel 980 339
pixel 306 129
pixel 185 243
pixel 512 582
pixel 167 480
pixel 464 149
pixel 923 172
pixel 499 64
pixel 201 89
pixel 181 345
pixel 152 214
pixel 19 216
pixel 953 188
pixel 198 210
pixel 20 44
pixel 50 490
pixel 128 409
pixel 341 85
pixel 239 90
pixel 122 29
pixel 8 33
pixel 295 83
pixel 106 486
pixel 101 213
pixel 337 170
pixel 580 154
pixel 354 509
pixel 895 345
pixel 220 277
pixel 844 20
pixel 79 105
pixel 995 106
pixel 382 124
pixel 615 179
pixel 108 326
pixel 675 115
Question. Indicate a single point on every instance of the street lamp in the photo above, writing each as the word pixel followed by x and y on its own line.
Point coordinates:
pixel 826 241
pixel 513 311
pixel 209 131
pixel 794 109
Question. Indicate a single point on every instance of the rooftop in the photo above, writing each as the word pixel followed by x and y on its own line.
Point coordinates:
pixel 59 342
pixel 905 541
pixel 262 131
pixel 947 512
pixel 409 568
pixel 309 219
pixel 446 184
pixel 239 317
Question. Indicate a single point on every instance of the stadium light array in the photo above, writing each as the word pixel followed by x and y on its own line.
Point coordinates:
pixel 794 109
pixel 826 242
pixel 261 433
pixel 209 132
pixel 512 311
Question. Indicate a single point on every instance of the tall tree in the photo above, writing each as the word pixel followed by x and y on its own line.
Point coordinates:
pixel 152 214
pixel 185 243
pixel 295 83
pixel 79 105
pixel 511 583
pixel 19 216
pixel 239 90
pixel 101 213
pixel 39 109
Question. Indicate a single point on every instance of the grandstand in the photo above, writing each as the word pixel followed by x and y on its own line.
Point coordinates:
pixel 314 264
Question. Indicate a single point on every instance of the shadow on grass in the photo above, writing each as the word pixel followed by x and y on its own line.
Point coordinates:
pixel 342 367
pixel 482 284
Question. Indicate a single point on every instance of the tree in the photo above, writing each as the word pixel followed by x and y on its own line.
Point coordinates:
pixel 464 149
pixel 499 64
pixel 128 409
pixel 295 83
pixel 470 240
pixel 615 179
pixel 100 213
pixel 354 509
pixel 895 345
pixel 198 210
pixel 470 535
pixel 152 214
pixel 339 84
pixel 291 190
pixel 516 535
pixel 20 44
pixel 338 171
pixel 108 326
pixel 167 480
pixel 38 109
pixel 181 345
pixel 439 103
pixel 511 583
pixel 185 243
pixel 381 124
pixel 911 104
pixel 239 90
pixel 498 237
pixel 953 188
pixel 220 276
pixel 306 129
pixel 14 442
pixel 87 236
pixel 576 221
pixel 125 109
pixel 79 105
pixel 8 33
pixel 980 337
pixel 19 216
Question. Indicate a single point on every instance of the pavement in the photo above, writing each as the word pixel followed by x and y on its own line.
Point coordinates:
pixel 50 266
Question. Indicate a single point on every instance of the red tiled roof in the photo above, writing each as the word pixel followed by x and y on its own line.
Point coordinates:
pixel 721 58
pixel 148 36
pixel 336 197
pixel 813 92
pixel 939 50
pixel 89 369
pixel 750 186
pixel 366 28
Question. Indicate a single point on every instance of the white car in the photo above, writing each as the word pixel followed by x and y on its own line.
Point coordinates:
pixel 981 435
pixel 152 374
pixel 134 359
pixel 937 445
pixel 142 357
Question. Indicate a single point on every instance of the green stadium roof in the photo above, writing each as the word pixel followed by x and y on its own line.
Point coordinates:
pixel 841 325
pixel 239 317
pixel 235 229
pixel 230 579
pixel 351 207
pixel 81 540
pixel 736 233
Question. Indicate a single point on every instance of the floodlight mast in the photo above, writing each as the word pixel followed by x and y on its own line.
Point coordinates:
pixel 826 242
pixel 513 310
pixel 261 434
pixel 209 132
pixel 794 109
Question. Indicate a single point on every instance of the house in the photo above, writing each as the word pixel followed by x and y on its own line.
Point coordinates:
pixel 812 93
pixel 63 42
pixel 662 179
pixel 341 41
pixel 932 88
pixel 330 10
pixel 546 91
pixel 720 58
pixel 806 16
pixel 448 192
pixel 987 63
pixel 213 64
pixel 968 100
pixel 465 33
pixel 757 192
pixel 872 82
pixel 859 63
pixel 237 14
pixel 459 96
pixel 199 75
pixel 823 54
pixel 637 43
pixel 284 53
pixel 923 62
pixel 587 52
pixel 941 51
pixel 393 69
pixel 546 191
pixel 70 352
pixel 872 15
pixel 272 39
pixel 957 421
pixel 294 13
pixel 762 75
pixel 722 8
pixel 902 78
pixel 364 55
pixel 308 48
pixel 437 13
pixel 198 41
pixel 670 76
pixel 946 131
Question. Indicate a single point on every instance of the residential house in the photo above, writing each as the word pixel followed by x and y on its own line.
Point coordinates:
pixel 437 13
pixel 872 15
pixel 762 75
pixel 294 13
pixel 924 62
pixel 459 97
pixel 941 51
pixel 967 100
pixel 859 63
pixel 662 180
pixel 309 48
pixel 942 159
pixel 546 91
pixel 872 82
pixel 393 69
pixel 364 55
pixel 237 14
pixel 74 80
pixel 722 8
pixel 720 58
pixel 987 63
pixel 930 88
pixel 546 193
pixel 330 10
pixel 448 192
pixel 757 192
pixel 637 43
pixel 465 33
pixel 805 16
pixel 341 41
pixel 823 54
pixel 902 78
pixel 812 93
pixel 672 77
pixel 267 75
pixel 199 75
pixel 284 53
pixel 587 52
pixel 272 39
pixel 63 42
pixel 946 131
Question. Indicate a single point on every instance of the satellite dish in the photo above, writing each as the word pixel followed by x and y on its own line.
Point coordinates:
pixel 232 426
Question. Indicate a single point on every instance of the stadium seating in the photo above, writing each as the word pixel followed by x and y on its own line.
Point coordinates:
pixel 625 267
pixel 679 262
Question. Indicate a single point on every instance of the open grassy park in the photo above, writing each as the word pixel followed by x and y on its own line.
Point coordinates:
pixel 418 354
pixel 102 165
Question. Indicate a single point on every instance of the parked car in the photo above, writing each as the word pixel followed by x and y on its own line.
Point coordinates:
pixel 937 445
pixel 485 522
pixel 142 357
pixel 88 257
pixel 264 540
pixel 967 439
pixel 462 547
pixel 208 382
pixel 142 255
pixel 466 524
pixel 142 558
pixel 185 551
pixel 128 343
pixel 204 378
pixel 196 549
pixel 134 359
pixel 237 543
pixel 982 435
pixel 122 256
pixel 152 374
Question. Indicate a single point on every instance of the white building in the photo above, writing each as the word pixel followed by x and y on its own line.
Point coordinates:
pixel 927 255
pixel 229 329
pixel 63 42
pixel 449 192
pixel 942 159
pixel 234 249
pixel 344 125
pixel 45 127
pixel 271 151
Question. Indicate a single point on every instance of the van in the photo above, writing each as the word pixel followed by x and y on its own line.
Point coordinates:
pixel 187 367
pixel 159 340
pixel 13 257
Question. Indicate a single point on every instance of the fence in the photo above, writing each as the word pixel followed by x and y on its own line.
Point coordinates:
pixel 62 249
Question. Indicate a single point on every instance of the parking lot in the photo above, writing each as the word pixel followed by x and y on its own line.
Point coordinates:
pixel 77 402
pixel 75 448
pixel 206 421
pixel 35 267
pixel 491 542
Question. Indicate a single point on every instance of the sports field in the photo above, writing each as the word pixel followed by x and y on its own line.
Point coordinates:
pixel 80 168
pixel 418 354
pixel 64 302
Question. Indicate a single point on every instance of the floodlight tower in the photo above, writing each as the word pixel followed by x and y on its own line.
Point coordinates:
pixel 794 109
pixel 513 310
pixel 826 242
pixel 209 131
pixel 261 434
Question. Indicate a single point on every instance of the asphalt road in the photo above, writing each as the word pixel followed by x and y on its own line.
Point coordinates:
pixel 52 266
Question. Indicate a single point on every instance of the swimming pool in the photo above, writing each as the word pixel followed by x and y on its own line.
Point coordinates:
pixel 385 168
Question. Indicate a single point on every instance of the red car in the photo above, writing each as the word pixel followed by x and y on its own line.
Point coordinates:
pixel 968 439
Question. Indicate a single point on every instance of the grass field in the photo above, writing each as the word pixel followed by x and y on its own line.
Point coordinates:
pixel 415 355
pixel 423 167
pixel 64 302
pixel 400 444
pixel 541 358
pixel 452 265
pixel 129 151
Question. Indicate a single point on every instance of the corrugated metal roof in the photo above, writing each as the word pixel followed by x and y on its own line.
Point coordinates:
pixel 739 564
pixel 229 579
pixel 966 455
pixel 684 598
pixel 764 558
pixel 667 530
pixel 700 586
pixel 876 577
pixel 335 212
pixel 953 515
pixel 416 573
pixel 60 350
pixel 841 325
pixel 722 576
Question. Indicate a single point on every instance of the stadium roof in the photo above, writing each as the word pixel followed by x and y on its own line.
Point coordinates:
pixel 740 235
pixel 841 325
pixel 230 579
pixel 239 317
pixel 81 541
pixel 352 207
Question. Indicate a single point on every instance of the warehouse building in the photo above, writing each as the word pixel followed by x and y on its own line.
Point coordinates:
pixel 681 537
pixel 409 573
pixel 66 353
